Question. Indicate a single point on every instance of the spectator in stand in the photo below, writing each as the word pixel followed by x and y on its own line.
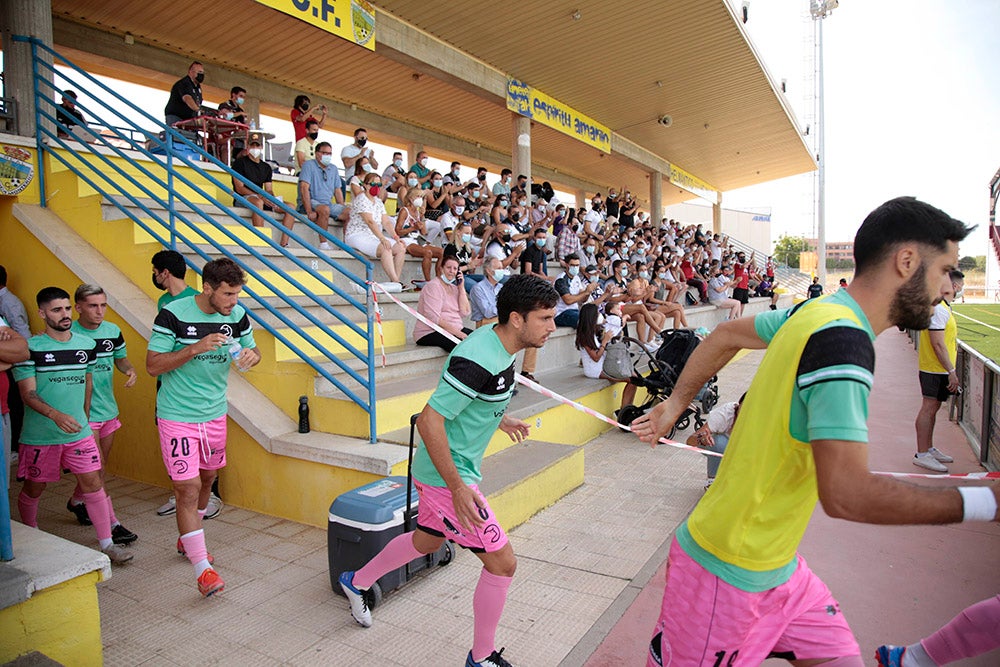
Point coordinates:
pixel 502 187
pixel 444 302
pixel 503 249
pixel 574 290
pixel 258 172
pixel 370 231
pixel 533 259
pixel 612 207
pixel 232 109
pixel 353 152
pixel 741 274
pixel 766 288
pixel 362 167
pixel 185 95
pixel 626 214
pixel 568 243
pixel 594 220
pixel 468 258
pixel 843 283
pixel 592 341
pixel 769 268
pixel 658 307
pixel 453 177
pixel 714 435
pixel 300 116
pixel 67 114
pixel 412 231
pixel 438 196
pixel 394 176
pixel 321 196
pixel 11 308
pixel 521 189
pixel 449 220
pixel 718 293
pixel 693 278
pixel 421 170
pixel 305 148
pixel 815 289
pixel 483 296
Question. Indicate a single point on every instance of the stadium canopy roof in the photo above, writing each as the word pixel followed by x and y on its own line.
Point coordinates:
pixel 438 77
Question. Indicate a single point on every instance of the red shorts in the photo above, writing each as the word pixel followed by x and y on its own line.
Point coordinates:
pixel 44 463
pixel 106 428
pixel 190 448
pixel 705 621
pixel 437 516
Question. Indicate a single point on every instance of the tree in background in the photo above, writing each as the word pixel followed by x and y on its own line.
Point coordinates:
pixel 787 249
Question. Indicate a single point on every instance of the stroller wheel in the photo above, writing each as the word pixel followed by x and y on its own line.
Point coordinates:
pixel 628 414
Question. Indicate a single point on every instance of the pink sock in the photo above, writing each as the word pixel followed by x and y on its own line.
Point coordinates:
pixel 487 605
pixel 77 496
pixel 111 511
pixel 396 554
pixel 974 631
pixel 97 510
pixel 194 546
pixel 28 508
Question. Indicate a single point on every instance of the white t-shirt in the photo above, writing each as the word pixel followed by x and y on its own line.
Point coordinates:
pixel 352 150
pixel 591 368
pixel 714 285
pixel 362 204
pixel 722 418
pixel 613 323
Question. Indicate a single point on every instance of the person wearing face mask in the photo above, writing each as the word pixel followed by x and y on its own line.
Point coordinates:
pixel 370 230
pixel 568 242
pixel 300 115
pixel 354 152
pixel 520 191
pixel 450 219
pixel 574 290
pixel 588 254
pixel 453 177
pixel 232 109
pixel 258 172
pixel 647 324
pixel 438 196
pixel 501 247
pixel 362 168
pixel 592 341
pixel 305 148
pixel 412 232
pixel 462 246
pixel 483 297
pixel 394 176
pixel 444 302
pixel 422 170
pixel 321 196
pixel 185 95
pixel 533 261
pixel 502 187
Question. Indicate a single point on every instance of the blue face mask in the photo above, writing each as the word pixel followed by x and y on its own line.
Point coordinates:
pixel 412 182
pixel 447 281
pixel 466 238
pixel 644 275
pixel 499 275
pixel 240 100
pixel 574 270
pixel 327 160
pixel 540 243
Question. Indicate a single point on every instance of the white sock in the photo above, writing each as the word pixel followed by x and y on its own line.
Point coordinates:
pixel 105 543
pixel 201 566
pixel 116 524
pixel 916 656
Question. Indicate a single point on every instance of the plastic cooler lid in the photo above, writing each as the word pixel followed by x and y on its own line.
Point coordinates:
pixel 374 503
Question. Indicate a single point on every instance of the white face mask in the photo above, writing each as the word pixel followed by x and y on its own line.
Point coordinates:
pixel 499 274
pixel 412 182
pixel 255 153
pixel 600 319
pixel 423 162
pixel 459 210
pixel 398 164
pixel 418 201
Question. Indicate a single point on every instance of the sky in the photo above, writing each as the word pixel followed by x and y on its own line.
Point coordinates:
pixel 910 109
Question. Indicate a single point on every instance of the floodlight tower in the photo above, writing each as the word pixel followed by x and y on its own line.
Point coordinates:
pixel 819 10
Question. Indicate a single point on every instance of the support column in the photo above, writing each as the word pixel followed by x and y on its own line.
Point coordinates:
pixel 655 197
pixel 31 18
pixel 414 149
pixel 521 147
pixel 581 199
pixel 717 214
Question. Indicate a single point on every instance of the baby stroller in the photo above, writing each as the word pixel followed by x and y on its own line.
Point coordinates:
pixel 664 368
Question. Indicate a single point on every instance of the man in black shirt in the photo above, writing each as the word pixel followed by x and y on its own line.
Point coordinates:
pixel 251 167
pixel 185 95
pixel 67 114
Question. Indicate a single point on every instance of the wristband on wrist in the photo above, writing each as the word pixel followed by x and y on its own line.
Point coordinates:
pixel 978 503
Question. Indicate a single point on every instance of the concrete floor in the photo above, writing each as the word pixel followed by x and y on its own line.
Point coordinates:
pixel 590 568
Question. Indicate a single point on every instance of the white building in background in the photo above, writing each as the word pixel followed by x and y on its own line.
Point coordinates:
pixel 750 227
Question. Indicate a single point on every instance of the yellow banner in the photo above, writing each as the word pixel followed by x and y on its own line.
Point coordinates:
pixel 353 20
pixel 693 184
pixel 526 101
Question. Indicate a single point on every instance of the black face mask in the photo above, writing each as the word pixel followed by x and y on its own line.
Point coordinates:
pixel 506 238
pixel 158 286
pixel 305 106
pixel 362 141
pixel 482 177
pixel 313 135
pixel 199 77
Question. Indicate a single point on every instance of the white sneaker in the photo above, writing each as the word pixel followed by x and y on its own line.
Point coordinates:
pixel 214 506
pixel 359 607
pixel 167 508
pixel 651 346
pixel 117 553
pixel 927 460
pixel 939 455
pixel 325 245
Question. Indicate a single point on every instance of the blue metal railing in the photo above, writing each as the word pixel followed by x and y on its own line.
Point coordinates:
pixel 174 218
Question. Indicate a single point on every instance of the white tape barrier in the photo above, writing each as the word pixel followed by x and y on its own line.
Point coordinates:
pixel 534 386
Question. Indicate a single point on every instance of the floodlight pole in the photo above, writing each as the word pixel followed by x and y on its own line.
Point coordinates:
pixel 820 9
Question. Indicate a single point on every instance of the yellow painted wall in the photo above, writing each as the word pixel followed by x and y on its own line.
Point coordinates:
pixel 63 622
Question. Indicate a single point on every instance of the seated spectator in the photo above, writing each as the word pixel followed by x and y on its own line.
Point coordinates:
pixel 815 289
pixel 718 293
pixel 370 231
pixel 421 170
pixel 412 231
pixel 305 148
pixel 647 323
pixel 502 187
pixel 453 216
pixel 592 341
pixel 453 177
pixel 394 176
pixel 300 116
pixel 438 197
pixel 362 167
pixel 444 302
pixel 319 188
pixel 353 152
pixel 693 278
pixel 766 288
pixel 667 287
pixel 642 287
pixel 503 249
pixel 67 114
pixel 483 296
pixel 714 434
pixel 533 259
pixel 574 290
pixel 185 95
pixel 468 258
pixel 258 172
pixel 232 109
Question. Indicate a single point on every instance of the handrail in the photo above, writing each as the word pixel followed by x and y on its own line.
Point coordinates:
pixel 118 188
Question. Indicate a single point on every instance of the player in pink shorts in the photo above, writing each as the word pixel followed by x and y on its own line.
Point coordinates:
pixel 437 517
pixel 188 449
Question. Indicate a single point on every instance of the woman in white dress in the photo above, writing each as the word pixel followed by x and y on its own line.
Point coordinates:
pixel 370 230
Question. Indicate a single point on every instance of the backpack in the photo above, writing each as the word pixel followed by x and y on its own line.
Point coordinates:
pixel 617 361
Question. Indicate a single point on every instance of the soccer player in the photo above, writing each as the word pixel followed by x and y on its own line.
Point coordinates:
pixel 189 352
pixel 736 589
pixel 455 426
pixel 937 353
pixel 91 303
pixel 56 383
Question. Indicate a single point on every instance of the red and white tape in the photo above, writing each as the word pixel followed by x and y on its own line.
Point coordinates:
pixel 534 386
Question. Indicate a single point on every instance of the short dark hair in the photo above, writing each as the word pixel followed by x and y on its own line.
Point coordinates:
pixel 321 145
pixel 456 163
pixel 236 89
pixel 312 121
pixel 903 220
pixel 3 276
pixel 570 257
pixel 523 293
pixel 504 172
pixel 359 131
pixel 223 270
pixel 520 176
pixel 299 99
pixel 172 261
pixel 543 230
pixel 69 93
pixel 47 295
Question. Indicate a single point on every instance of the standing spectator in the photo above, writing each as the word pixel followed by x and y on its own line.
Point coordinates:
pixel 483 296
pixel 185 95
pixel 67 114
pixel 55 383
pixel 321 192
pixel 232 109
pixel 520 190
pixel 938 354
pixel 815 289
pixel 444 302
pixel 191 404
pixel 741 276
pixel 370 230
pixel 258 172
pixel 351 153
pixel 300 117
pixel 412 232
pixel 568 243
pixel 305 148
pixel 13 348
pixel 714 435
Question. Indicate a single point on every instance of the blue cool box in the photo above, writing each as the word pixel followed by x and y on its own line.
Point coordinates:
pixel 373 507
